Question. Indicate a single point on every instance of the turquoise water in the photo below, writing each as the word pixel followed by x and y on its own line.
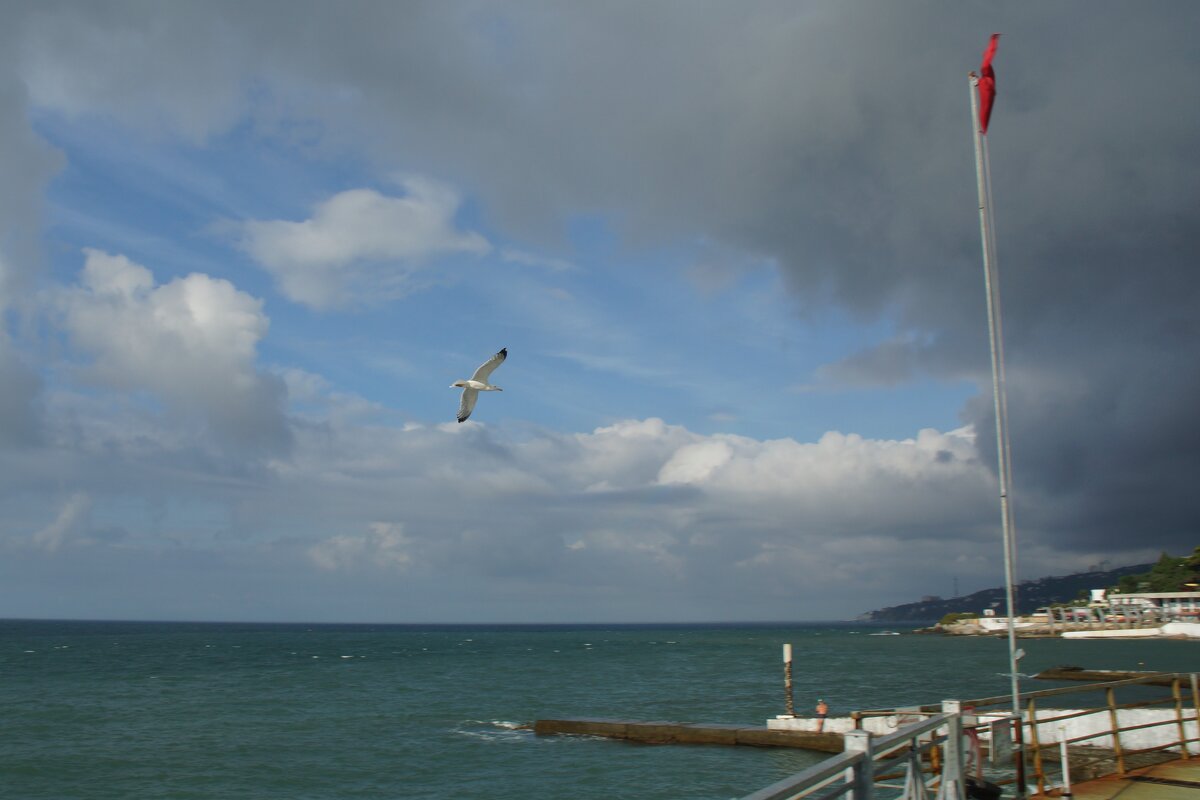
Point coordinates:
pixel 149 710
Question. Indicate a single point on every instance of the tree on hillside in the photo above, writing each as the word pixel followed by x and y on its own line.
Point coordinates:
pixel 1169 574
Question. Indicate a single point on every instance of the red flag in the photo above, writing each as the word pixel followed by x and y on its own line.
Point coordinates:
pixel 987 84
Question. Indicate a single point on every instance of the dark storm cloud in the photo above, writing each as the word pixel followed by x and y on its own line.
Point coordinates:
pixel 830 138
pixel 835 139
pixel 20 421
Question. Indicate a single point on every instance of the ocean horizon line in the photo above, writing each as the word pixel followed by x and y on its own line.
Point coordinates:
pixel 526 625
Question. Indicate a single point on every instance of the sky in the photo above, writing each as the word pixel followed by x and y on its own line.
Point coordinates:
pixel 733 251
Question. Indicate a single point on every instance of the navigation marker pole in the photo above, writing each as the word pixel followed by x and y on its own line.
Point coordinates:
pixel 789 707
pixel 983 176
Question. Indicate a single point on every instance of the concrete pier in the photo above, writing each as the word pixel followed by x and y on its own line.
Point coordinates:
pixel 668 732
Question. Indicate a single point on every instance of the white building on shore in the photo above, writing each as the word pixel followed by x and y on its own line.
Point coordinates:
pixel 1164 605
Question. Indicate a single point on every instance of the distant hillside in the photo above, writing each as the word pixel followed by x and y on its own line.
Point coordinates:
pixel 1031 595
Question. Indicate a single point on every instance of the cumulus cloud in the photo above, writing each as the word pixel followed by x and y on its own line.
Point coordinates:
pixel 67 524
pixel 638 506
pixel 638 520
pixel 191 342
pixel 383 544
pixel 828 140
pixel 360 244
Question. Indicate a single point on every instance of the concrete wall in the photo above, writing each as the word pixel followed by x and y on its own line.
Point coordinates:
pixel 1047 727
pixel 1127 717
pixel 1173 629
pixel 876 725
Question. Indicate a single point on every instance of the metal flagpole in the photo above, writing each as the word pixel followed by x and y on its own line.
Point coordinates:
pixel 999 395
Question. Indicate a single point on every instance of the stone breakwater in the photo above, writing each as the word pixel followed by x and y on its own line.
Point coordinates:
pixel 670 732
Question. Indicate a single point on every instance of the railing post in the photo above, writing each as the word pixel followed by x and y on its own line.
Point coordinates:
pixel 862 774
pixel 1037 747
pixel 1196 703
pixel 1018 752
pixel 952 787
pixel 914 778
pixel 1177 692
pixel 1116 729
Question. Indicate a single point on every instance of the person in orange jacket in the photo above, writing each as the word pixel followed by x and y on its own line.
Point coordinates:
pixel 822 712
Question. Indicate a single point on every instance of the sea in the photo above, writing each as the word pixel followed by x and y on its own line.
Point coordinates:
pixel 196 710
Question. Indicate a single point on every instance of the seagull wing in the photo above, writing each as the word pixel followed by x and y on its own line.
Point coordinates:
pixel 467 404
pixel 485 369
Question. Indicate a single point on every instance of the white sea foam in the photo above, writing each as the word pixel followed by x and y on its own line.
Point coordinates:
pixel 495 730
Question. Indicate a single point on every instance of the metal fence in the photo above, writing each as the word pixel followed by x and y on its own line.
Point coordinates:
pixel 858 773
pixel 1126 724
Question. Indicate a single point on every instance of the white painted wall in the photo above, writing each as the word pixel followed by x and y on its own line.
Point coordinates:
pixel 1188 629
pixel 1127 717
pixel 1096 722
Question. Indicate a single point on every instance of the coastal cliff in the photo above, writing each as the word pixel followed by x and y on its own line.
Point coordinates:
pixel 1031 595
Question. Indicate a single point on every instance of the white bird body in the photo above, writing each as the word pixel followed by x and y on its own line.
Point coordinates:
pixel 478 383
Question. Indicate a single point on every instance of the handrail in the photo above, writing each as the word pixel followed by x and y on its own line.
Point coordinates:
pixel 1114 728
pixel 885 744
pixel 1087 687
pixel 810 778
pixel 1039 693
pixel 866 754
pixel 861 762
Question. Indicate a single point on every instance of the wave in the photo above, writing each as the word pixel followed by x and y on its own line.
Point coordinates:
pixel 496 730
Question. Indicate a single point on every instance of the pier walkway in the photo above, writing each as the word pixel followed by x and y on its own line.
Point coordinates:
pixel 1174 780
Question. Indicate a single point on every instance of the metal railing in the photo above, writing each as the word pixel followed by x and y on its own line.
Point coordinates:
pixel 867 759
pixel 1105 736
pixel 1078 749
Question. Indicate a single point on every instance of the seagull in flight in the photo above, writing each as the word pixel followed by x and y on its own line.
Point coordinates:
pixel 478 383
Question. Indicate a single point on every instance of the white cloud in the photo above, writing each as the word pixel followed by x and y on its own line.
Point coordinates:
pixel 360 244
pixel 696 462
pixel 73 513
pixel 382 545
pixel 548 263
pixel 595 525
pixel 192 342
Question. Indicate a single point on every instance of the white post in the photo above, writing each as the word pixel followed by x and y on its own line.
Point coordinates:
pixel 862 774
pixel 1000 401
pixel 789 707
pixel 953 771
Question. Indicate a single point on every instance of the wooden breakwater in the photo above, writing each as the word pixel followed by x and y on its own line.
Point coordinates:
pixel 667 732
